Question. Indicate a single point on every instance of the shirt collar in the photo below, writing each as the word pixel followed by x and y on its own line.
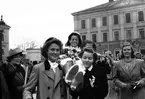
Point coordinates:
pixel 53 64
pixel 90 68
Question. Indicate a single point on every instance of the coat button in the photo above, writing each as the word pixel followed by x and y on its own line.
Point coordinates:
pixel 47 97
pixel 48 87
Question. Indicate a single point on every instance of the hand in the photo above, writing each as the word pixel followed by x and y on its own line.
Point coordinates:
pixel 127 85
pixel 92 80
pixel 138 84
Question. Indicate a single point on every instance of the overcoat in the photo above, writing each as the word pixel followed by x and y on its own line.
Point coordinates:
pixel 4 94
pixel 100 89
pixel 126 75
pixel 50 85
pixel 14 76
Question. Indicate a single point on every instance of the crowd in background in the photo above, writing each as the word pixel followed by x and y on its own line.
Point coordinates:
pixel 76 71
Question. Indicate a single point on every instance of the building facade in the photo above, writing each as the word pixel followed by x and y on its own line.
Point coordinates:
pixel 33 54
pixel 112 23
pixel 4 39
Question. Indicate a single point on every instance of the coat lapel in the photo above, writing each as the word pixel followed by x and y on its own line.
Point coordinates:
pixel 122 63
pixel 47 71
pixel 133 66
pixel 57 77
pixel 50 74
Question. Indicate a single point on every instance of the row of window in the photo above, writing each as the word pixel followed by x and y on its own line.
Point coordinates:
pixel 115 20
pixel 128 35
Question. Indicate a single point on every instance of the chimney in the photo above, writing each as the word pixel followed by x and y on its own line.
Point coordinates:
pixel 110 0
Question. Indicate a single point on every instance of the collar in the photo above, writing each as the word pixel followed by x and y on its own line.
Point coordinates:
pixel 90 68
pixel 53 65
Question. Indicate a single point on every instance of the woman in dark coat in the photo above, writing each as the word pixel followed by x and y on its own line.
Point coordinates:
pixel 14 74
pixel 94 84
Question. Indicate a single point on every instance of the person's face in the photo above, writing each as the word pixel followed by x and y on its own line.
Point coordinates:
pixel 127 51
pixel 87 59
pixel 53 52
pixel 89 45
pixel 16 60
pixel 74 41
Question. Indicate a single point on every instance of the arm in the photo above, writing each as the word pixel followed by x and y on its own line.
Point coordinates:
pixel 116 81
pixel 141 82
pixel 4 88
pixel 30 86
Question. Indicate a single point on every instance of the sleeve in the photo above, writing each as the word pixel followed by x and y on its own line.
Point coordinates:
pixel 30 86
pixel 4 87
pixel 116 81
pixel 142 73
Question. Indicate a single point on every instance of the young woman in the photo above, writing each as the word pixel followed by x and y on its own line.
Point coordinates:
pixel 48 75
pixel 129 74
pixel 94 84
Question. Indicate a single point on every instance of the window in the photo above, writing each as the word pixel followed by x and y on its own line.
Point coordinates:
pixel 115 19
pixel 128 19
pixel 104 21
pixel 116 35
pixel 93 22
pixel 140 16
pixel 83 24
pixel 83 37
pixel 142 33
pixel 128 34
pixel 104 37
pixel 94 39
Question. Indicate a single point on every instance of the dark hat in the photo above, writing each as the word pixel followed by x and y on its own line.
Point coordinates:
pixel 14 52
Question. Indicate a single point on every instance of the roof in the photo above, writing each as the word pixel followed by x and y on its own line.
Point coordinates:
pixel 3 23
pixel 109 5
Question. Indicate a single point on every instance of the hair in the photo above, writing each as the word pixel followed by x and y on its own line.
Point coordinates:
pixel 47 44
pixel 90 50
pixel 89 42
pixel 74 34
pixel 132 51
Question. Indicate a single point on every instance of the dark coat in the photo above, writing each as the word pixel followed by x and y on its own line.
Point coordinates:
pixel 14 75
pixel 100 89
pixel 4 94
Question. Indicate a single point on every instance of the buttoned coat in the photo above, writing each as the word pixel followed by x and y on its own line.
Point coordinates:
pixel 100 89
pixel 50 85
pixel 126 75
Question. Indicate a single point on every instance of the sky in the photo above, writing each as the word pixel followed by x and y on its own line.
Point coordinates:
pixel 37 20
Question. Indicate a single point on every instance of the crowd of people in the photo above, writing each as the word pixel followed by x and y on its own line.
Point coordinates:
pixel 74 71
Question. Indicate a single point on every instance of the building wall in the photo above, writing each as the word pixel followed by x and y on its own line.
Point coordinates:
pixel 33 54
pixel 5 42
pixel 110 28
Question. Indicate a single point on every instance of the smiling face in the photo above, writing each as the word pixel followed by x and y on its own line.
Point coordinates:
pixel 74 41
pixel 87 59
pixel 16 59
pixel 127 51
pixel 53 52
